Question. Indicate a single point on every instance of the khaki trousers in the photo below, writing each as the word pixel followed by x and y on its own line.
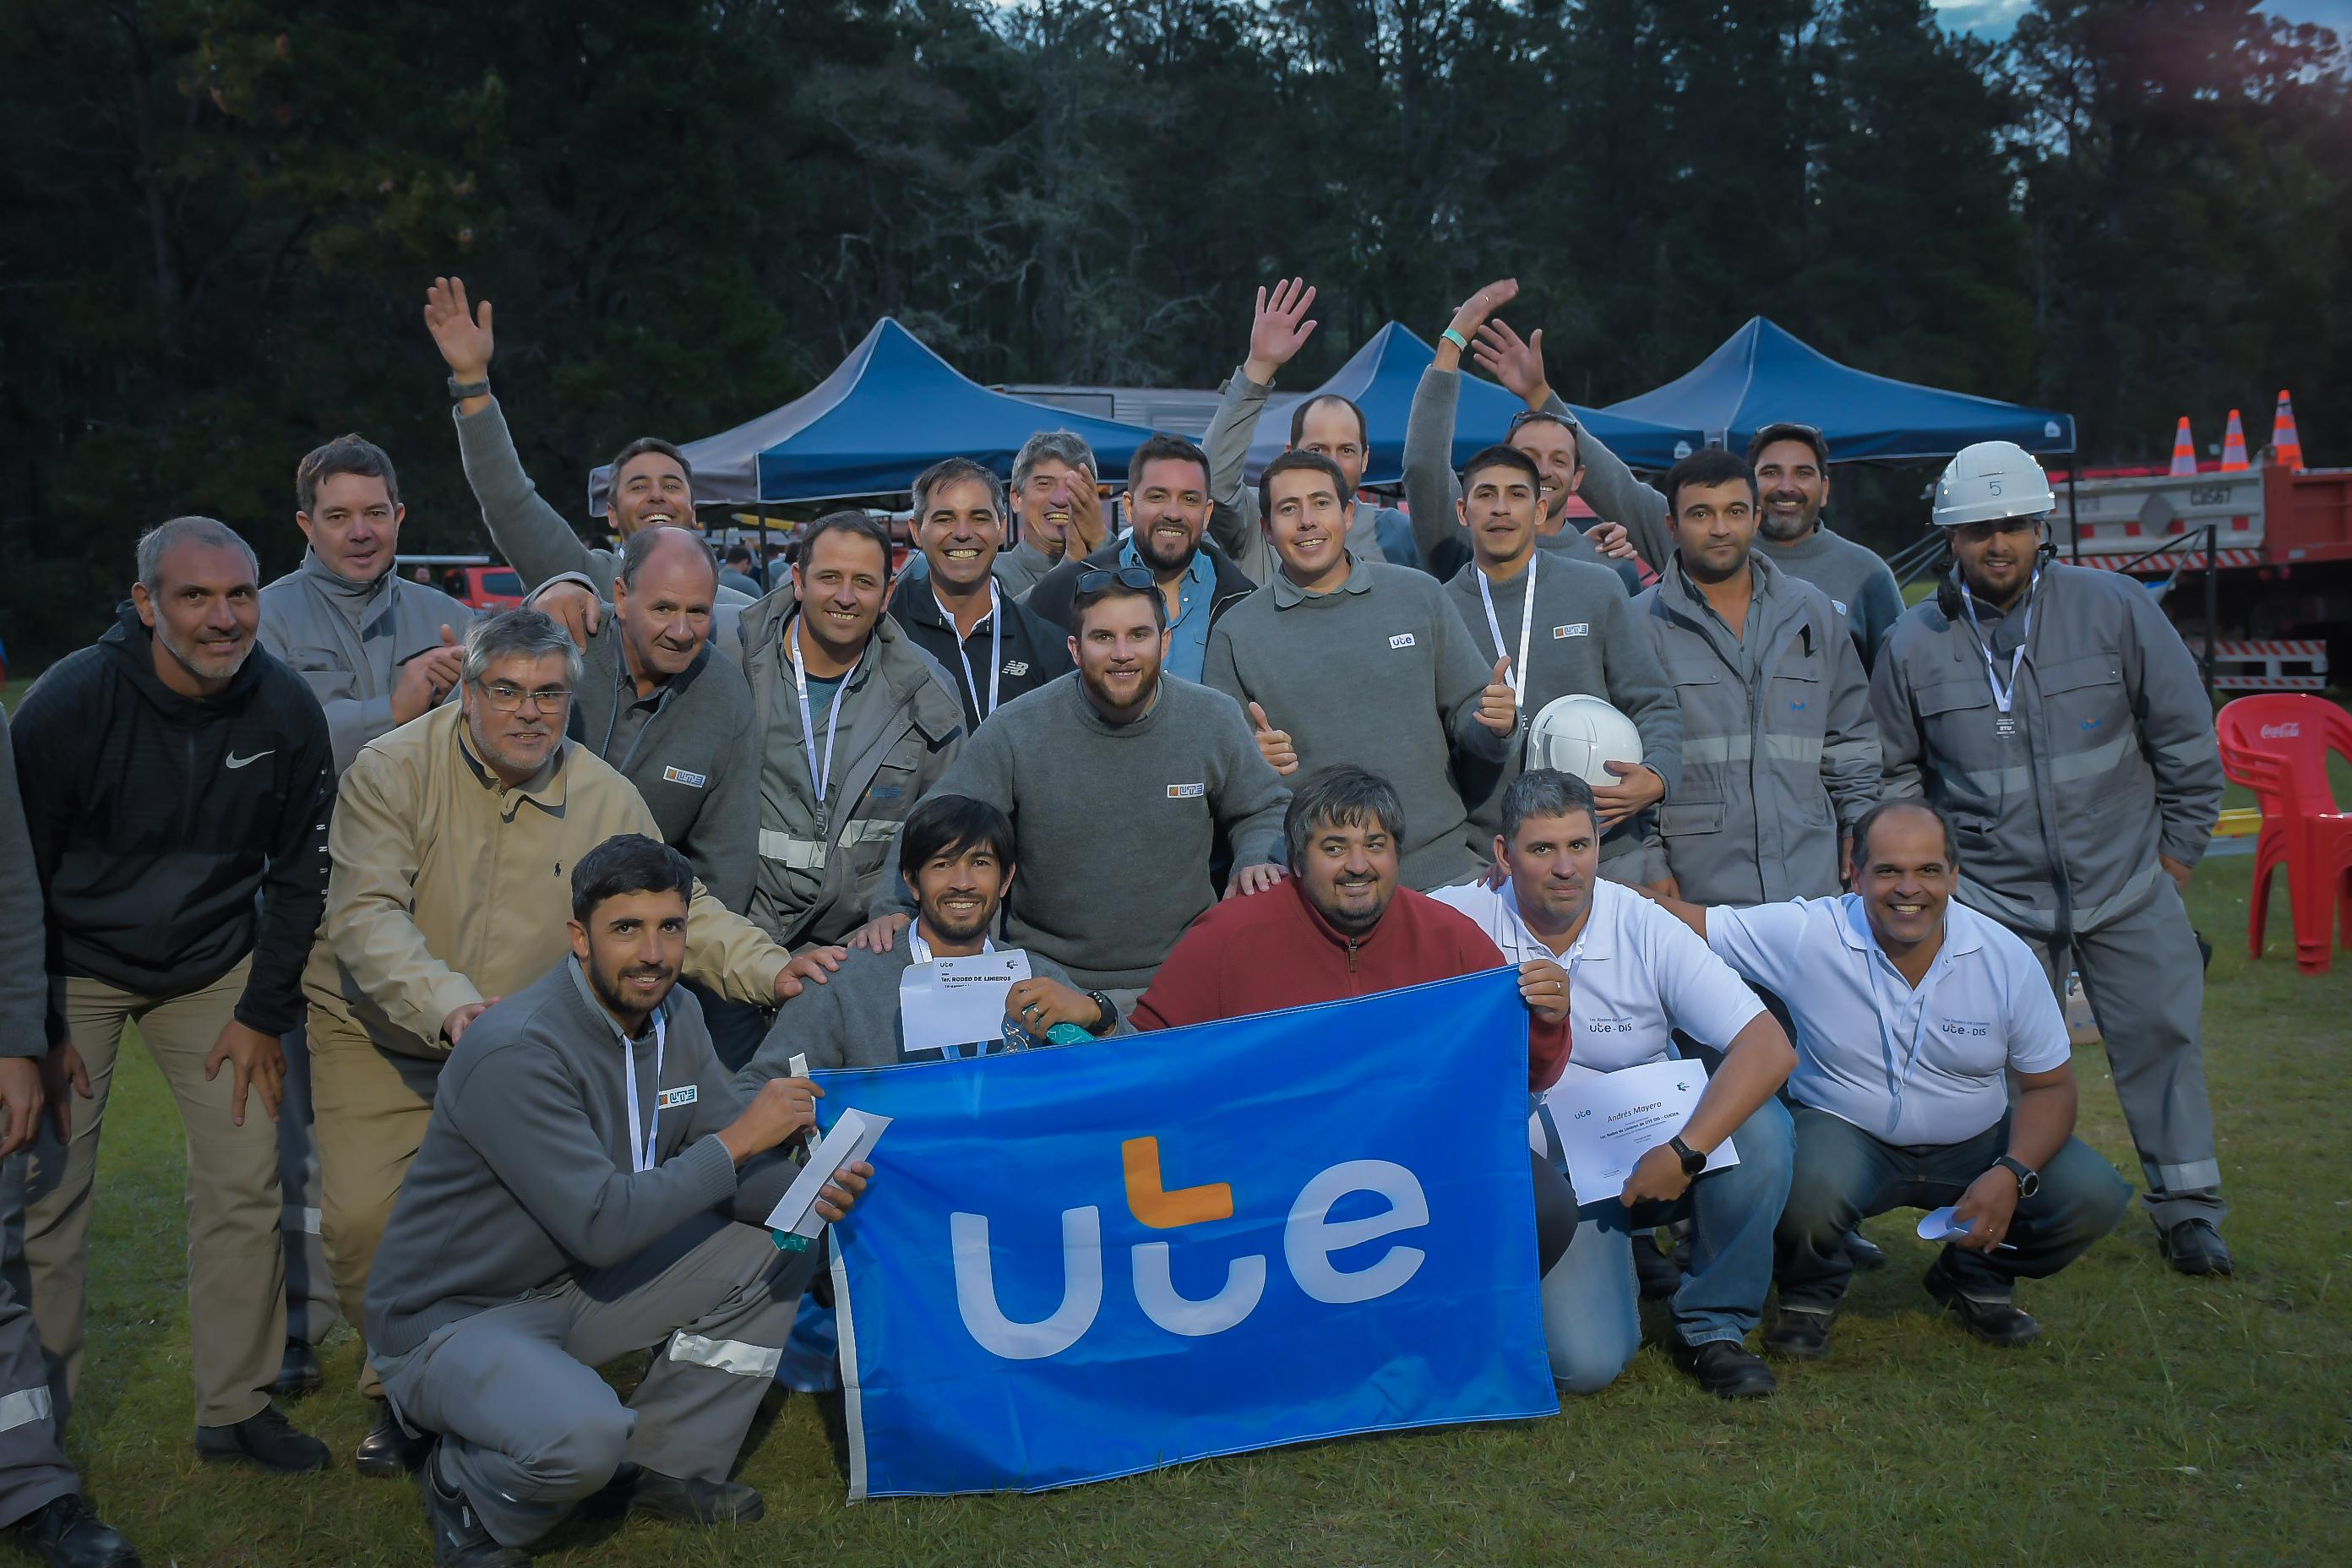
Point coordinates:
pixel 237 1261
pixel 370 1108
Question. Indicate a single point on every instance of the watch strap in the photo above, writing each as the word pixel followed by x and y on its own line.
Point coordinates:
pixel 1110 1013
pixel 2029 1180
pixel 1692 1160
pixel 460 390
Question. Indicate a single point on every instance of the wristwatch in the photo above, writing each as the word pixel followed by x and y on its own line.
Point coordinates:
pixel 2029 1181
pixel 461 390
pixel 1692 1160
pixel 1109 1020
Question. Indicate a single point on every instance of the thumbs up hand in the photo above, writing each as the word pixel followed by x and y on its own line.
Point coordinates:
pixel 1273 744
pixel 1499 705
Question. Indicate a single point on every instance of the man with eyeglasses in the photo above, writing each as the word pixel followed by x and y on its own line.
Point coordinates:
pixel 1331 425
pixel 451 847
pixel 1120 784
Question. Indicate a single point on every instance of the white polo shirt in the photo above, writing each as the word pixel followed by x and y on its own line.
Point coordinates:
pixel 1635 974
pixel 1920 1066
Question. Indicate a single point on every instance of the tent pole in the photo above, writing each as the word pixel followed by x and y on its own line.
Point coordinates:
pixel 764 545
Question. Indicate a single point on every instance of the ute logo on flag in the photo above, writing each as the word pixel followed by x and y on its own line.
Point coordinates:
pixel 1085 1261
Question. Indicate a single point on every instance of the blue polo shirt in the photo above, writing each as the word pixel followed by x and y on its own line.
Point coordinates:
pixel 1187 640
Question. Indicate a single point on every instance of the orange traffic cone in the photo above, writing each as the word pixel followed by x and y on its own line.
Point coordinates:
pixel 2233 447
pixel 2286 447
pixel 2184 449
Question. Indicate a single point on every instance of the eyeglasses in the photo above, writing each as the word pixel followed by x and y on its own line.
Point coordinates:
pixel 1526 417
pixel 1095 579
pixel 506 697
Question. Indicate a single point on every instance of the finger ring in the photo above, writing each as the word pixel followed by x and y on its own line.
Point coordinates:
pixel 1029 1009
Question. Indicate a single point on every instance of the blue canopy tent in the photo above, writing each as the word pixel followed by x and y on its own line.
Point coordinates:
pixel 886 413
pixel 1381 376
pixel 1762 374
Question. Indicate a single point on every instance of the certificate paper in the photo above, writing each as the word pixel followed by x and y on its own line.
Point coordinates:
pixel 952 1001
pixel 1607 1120
pixel 852 1139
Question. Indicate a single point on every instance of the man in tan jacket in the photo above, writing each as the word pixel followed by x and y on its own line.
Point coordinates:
pixel 452 844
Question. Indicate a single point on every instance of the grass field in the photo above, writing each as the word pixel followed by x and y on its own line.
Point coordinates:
pixel 2159 1420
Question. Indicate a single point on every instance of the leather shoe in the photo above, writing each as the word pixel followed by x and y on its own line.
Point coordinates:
pixel 387 1452
pixel 299 1374
pixel 1727 1368
pixel 1862 1252
pixel 686 1501
pixel 459 1539
pixel 1799 1333
pixel 64 1533
pixel 266 1441
pixel 2194 1247
pixel 2002 1324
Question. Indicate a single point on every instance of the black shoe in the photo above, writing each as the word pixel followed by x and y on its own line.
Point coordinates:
pixel 66 1534
pixel 1862 1252
pixel 458 1539
pixel 297 1374
pixel 266 1441
pixel 1727 1368
pixel 688 1501
pixel 1999 1323
pixel 2194 1247
pixel 1660 1275
pixel 387 1452
pixel 1799 1333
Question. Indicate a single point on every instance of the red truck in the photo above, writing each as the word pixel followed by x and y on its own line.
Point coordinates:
pixel 476 581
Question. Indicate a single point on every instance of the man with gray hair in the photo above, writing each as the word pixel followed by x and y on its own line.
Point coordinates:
pixel 1053 494
pixel 176 783
pixel 450 849
pixel 993 647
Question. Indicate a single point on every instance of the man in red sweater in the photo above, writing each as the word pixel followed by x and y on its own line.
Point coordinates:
pixel 1339 927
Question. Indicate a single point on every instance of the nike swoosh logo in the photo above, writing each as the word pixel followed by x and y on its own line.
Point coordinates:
pixel 237 762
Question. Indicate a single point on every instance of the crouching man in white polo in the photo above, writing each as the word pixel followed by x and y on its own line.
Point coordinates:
pixel 1912 1012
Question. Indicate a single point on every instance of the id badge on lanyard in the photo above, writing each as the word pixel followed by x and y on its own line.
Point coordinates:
pixel 2004 693
pixel 1527 632
pixel 643 1152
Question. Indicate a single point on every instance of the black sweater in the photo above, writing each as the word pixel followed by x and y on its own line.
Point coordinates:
pixel 1035 650
pixel 156 819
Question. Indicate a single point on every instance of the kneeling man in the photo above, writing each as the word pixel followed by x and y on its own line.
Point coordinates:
pixel 1339 926
pixel 1913 1014
pixel 956 858
pixel 590 1185
pixel 1637 976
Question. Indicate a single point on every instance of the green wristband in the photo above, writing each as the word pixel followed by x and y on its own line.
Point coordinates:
pixel 1456 339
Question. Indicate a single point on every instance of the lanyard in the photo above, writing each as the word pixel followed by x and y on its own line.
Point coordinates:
pixel 2002 695
pixel 1898 1068
pixel 919 951
pixel 995 649
pixel 818 777
pixel 1526 630
pixel 641 1150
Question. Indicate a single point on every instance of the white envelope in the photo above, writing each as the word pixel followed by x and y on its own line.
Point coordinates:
pixel 952 1001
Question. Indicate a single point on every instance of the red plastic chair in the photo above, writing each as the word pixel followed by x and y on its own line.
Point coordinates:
pixel 2277 746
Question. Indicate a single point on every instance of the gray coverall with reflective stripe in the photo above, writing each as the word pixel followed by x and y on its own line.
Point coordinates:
pixel 1779 752
pixel 2108 761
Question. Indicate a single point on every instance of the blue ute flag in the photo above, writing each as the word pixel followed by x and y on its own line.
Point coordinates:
pixel 1089 1262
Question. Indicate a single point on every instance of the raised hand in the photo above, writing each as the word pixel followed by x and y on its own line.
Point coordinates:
pixel 1273 744
pixel 1471 314
pixel 1518 363
pixel 1085 533
pixel 1276 332
pixel 464 339
pixel 1499 705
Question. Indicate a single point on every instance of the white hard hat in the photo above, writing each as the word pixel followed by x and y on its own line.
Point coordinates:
pixel 1577 733
pixel 1990 480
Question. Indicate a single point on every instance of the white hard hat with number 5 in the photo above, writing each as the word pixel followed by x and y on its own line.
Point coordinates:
pixel 1991 481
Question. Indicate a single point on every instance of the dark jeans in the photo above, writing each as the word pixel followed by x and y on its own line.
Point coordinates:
pixel 1844 1175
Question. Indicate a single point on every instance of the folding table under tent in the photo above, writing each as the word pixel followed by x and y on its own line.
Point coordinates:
pixel 886 413
pixel 1763 375
pixel 1381 376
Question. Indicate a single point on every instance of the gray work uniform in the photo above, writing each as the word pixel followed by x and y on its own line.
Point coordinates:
pixel 1431 487
pixel 1860 586
pixel 349 642
pixel 895 725
pixel 34 1471
pixel 528 1249
pixel 687 746
pixel 1374 533
pixel 1617 495
pixel 1584 636
pixel 1779 755
pixel 2106 761
pixel 532 535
